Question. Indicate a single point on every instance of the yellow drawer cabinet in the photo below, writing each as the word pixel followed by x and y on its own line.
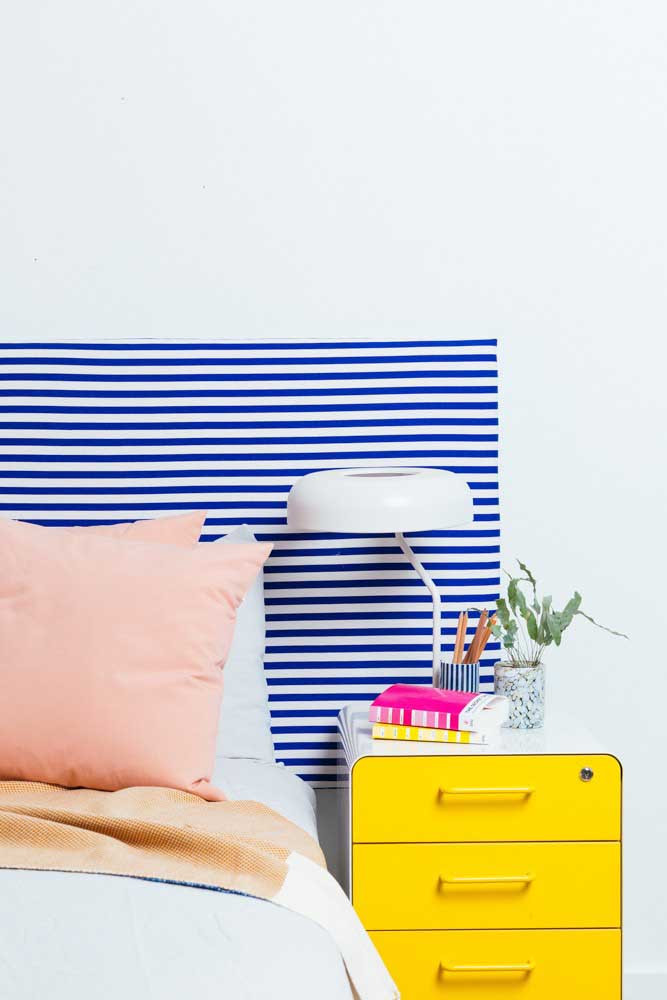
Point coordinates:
pixel 487 872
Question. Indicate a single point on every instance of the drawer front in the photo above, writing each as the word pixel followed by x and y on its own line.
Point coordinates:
pixel 443 886
pixel 487 965
pixel 485 798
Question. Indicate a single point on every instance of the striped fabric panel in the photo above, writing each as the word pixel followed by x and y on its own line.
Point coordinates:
pixel 115 431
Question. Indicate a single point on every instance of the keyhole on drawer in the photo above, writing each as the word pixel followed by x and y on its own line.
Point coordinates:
pixel 586 774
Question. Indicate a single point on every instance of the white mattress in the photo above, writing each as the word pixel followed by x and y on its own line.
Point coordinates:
pixel 75 937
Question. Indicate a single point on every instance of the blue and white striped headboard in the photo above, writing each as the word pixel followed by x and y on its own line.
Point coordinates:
pixel 96 433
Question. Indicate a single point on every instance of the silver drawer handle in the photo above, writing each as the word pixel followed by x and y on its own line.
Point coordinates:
pixel 523 967
pixel 524 791
pixel 486 879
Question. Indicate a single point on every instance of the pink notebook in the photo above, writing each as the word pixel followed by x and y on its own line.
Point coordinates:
pixel 416 705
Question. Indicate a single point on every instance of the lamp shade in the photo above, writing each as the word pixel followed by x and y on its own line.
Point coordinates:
pixel 375 501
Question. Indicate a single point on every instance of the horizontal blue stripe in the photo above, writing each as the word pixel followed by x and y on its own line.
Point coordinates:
pixel 312 762
pixel 315 376
pixel 434 404
pixel 471 533
pixel 343 647
pixel 251 346
pixel 225 442
pixel 77 491
pixel 377 550
pixel 303 729
pixel 215 473
pixel 368 567
pixel 423 390
pixel 363 647
pixel 441 533
pixel 155 506
pixel 227 522
pixel 417 598
pixel 241 504
pixel 356 667
pixel 321 780
pixel 89 522
pixel 379 582
pixel 302 713
pixel 254 360
pixel 309 675
pixel 349 695
pixel 163 425
pixel 339 616
pixel 222 522
pixel 254 456
pixel 328 744
pixel 339 633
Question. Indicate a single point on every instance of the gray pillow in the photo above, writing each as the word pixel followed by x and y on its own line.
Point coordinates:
pixel 244 729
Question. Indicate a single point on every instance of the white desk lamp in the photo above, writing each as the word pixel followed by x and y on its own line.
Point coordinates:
pixel 376 501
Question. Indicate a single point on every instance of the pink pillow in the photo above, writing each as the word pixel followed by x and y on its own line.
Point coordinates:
pixel 184 529
pixel 111 655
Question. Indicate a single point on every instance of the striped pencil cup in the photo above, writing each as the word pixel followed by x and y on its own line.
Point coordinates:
pixel 458 677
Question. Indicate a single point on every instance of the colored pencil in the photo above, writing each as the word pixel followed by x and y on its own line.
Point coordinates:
pixel 460 637
pixel 472 656
pixel 487 635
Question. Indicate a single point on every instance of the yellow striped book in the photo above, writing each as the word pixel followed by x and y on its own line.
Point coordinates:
pixel 384 732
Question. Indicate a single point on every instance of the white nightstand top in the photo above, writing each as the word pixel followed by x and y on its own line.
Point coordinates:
pixel 560 735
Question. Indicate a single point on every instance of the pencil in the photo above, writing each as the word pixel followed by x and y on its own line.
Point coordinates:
pixel 472 656
pixel 460 637
pixel 487 635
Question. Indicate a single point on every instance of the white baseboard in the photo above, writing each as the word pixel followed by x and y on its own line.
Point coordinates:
pixel 645 986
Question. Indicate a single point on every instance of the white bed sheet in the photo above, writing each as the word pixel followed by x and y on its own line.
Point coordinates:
pixel 77 937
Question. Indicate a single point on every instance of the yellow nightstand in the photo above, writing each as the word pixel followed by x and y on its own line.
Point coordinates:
pixel 487 872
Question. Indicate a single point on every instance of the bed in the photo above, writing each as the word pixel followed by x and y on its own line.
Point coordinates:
pixel 66 936
pixel 97 434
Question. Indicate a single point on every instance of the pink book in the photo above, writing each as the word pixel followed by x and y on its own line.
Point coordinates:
pixel 417 705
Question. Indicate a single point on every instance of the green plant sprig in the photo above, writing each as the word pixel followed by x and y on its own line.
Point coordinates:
pixel 527 625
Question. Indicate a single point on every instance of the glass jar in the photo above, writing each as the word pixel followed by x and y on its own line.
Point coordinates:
pixel 524 686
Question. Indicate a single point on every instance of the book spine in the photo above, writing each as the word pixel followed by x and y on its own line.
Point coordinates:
pixel 421 734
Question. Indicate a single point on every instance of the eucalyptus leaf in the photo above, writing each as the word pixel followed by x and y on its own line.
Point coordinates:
pixel 531 579
pixel 554 628
pixel 544 636
pixel 521 601
pixel 512 590
pixel 503 612
pixel 570 610
pixel 604 628
pixel 531 624
pixel 509 639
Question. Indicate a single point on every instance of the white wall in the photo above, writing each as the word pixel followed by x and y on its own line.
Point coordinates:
pixel 392 168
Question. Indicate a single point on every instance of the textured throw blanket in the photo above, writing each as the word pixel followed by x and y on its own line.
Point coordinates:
pixel 159 833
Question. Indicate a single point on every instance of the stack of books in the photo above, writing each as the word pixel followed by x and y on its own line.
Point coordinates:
pixel 433 715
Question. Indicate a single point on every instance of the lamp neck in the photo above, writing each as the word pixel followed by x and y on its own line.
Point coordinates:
pixel 435 597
